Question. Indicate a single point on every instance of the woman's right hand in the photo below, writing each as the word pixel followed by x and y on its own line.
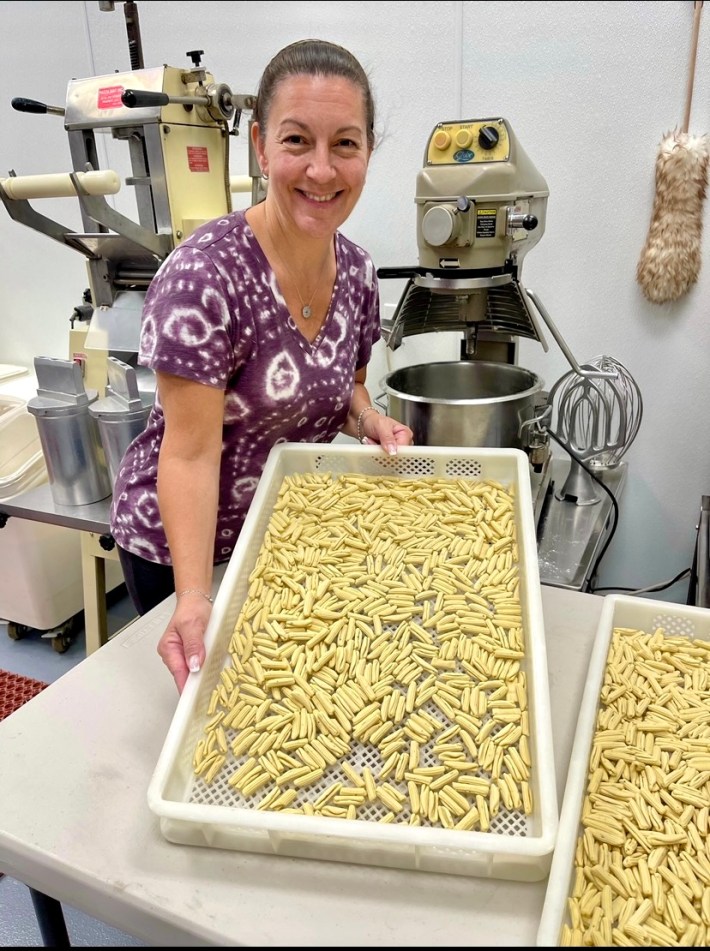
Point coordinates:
pixel 182 645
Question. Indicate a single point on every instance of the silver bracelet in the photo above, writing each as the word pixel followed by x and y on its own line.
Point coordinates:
pixel 195 591
pixel 360 434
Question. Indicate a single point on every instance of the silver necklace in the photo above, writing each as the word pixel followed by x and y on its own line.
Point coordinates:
pixel 306 308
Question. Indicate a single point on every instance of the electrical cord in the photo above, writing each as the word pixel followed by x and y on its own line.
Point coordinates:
pixel 589 584
pixel 659 586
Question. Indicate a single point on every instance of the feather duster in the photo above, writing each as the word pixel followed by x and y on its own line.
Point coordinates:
pixel 670 261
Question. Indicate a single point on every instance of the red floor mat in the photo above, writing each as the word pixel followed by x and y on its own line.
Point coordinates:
pixel 16 690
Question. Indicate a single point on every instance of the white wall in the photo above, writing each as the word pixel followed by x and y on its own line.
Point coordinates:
pixel 589 89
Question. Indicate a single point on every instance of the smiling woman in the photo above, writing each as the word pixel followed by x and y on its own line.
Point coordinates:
pixel 288 312
pixel 313 141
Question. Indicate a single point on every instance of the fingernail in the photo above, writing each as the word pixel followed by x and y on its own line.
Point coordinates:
pixel 392 449
pixel 194 664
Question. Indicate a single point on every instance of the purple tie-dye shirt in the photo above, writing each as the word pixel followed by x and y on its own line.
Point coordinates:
pixel 214 314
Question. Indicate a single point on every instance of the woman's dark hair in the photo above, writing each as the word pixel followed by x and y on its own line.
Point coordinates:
pixel 313 58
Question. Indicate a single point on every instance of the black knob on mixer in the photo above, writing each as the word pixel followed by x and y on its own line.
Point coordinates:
pixel 488 137
pixel 518 219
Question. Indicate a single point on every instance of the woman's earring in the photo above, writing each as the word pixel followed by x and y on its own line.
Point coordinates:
pixel 265 176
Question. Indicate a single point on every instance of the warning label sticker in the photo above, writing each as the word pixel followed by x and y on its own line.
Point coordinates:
pixel 486 222
pixel 198 159
pixel 110 97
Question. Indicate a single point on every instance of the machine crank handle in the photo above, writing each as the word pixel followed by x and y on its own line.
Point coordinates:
pixel 606 374
pixel 218 106
pixel 218 100
pixel 140 99
pixel 38 108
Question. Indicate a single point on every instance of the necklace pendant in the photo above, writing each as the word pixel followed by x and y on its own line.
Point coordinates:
pixel 306 311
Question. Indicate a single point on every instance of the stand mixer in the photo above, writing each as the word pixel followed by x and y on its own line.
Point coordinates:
pixel 481 207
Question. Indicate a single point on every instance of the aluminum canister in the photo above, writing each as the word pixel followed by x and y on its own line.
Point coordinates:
pixel 76 464
pixel 122 414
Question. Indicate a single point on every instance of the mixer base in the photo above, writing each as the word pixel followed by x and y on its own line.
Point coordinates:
pixel 570 536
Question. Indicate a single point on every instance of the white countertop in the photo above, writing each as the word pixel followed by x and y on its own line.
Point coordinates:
pixel 74 821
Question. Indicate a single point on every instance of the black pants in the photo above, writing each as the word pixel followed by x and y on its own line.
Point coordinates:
pixel 148 584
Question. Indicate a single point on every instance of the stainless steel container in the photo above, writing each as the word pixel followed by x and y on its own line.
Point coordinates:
pixel 464 403
pixel 69 437
pixel 122 414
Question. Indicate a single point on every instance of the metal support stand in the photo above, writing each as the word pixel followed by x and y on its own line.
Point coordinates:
pixel 50 919
pixel 699 584
pixel 570 536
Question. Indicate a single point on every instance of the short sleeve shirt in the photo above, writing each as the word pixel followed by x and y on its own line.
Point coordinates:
pixel 214 314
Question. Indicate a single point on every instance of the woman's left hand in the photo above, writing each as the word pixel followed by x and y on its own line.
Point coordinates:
pixel 388 432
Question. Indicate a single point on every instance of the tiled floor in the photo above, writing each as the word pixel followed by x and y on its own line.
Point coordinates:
pixel 35 657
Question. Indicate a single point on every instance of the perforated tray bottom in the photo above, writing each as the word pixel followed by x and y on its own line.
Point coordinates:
pixel 219 793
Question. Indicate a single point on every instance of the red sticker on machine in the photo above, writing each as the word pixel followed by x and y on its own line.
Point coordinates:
pixel 110 97
pixel 198 158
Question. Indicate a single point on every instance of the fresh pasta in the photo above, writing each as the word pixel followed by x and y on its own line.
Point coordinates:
pixel 376 670
pixel 642 861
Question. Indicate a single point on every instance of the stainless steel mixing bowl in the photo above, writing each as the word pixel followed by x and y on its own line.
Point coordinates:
pixel 464 403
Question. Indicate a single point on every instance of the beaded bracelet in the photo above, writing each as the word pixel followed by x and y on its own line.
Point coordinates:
pixel 195 591
pixel 360 434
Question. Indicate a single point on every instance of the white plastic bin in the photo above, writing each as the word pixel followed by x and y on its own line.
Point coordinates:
pixel 193 812
pixel 667 621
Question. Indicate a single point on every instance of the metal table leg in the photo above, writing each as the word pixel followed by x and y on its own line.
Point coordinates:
pixel 93 570
pixel 100 568
pixel 50 919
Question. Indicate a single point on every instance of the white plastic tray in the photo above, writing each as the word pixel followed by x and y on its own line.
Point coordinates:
pixel 22 464
pixel 618 611
pixel 515 847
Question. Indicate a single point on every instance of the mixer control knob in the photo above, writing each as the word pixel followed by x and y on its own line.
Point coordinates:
pixel 488 137
pixel 442 140
pixel 439 225
pixel 521 220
